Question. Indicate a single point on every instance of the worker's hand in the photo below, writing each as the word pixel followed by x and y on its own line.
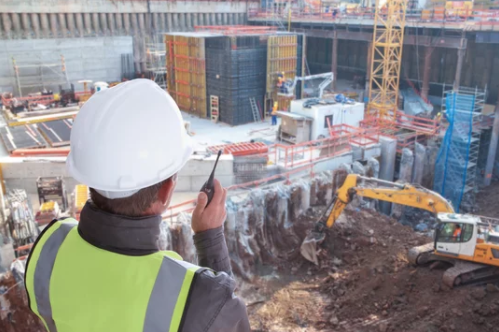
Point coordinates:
pixel 211 216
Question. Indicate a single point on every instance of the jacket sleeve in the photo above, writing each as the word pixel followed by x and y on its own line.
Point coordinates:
pixel 212 305
pixel 212 250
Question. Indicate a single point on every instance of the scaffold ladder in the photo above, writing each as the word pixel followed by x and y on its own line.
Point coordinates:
pixel 214 111
pixel 255 110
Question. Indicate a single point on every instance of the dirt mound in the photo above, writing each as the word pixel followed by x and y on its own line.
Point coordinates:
pixel 366 284
pixel 15 316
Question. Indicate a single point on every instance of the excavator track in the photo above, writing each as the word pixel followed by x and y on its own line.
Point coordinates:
pixel 465 273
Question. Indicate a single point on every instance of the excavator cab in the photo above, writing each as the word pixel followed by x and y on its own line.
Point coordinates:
pixel 456 235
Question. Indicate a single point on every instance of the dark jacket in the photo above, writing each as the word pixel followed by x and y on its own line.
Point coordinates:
pixel 212 305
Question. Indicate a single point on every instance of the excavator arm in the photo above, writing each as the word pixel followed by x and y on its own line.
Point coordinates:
pixel 404 194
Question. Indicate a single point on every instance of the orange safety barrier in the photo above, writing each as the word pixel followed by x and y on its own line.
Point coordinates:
pixel 241 149
pixel 236 29
pixel 54 152
pixel 44 100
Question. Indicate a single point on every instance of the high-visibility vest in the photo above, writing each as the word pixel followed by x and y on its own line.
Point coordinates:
pixel 75 286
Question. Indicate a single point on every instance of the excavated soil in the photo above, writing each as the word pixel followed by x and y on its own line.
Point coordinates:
pixel 365 283
pixel 15 316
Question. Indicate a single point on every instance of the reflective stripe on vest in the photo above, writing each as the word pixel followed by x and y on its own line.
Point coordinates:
pixel 74 286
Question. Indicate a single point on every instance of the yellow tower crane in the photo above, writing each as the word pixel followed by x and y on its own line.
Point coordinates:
pixel 388 40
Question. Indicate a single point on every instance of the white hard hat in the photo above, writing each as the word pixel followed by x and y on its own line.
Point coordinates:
pixel 127 138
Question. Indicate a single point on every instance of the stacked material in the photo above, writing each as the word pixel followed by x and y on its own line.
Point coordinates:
pixel 48 212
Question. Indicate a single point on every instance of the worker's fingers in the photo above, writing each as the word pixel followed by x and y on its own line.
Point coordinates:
pixel 200 204
pixel 217 186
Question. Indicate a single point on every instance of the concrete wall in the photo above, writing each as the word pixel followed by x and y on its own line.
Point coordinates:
pixel 109 6
pixel 97 58
pixel 23 175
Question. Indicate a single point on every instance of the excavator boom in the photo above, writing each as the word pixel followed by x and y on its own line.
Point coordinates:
pixel 404 194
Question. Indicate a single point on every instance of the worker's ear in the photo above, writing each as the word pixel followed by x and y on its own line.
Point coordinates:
pixel 166 191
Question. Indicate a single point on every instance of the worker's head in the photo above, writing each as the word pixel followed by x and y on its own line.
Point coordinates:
pixel 458 226
pixel 127 144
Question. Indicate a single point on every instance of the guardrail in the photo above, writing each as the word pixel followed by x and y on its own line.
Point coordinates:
pixel 441 15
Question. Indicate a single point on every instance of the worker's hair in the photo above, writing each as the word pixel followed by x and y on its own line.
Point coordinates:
pixel 132 206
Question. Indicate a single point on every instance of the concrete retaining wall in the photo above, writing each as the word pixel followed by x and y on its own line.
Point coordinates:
pixel 97 58
pixel 23 175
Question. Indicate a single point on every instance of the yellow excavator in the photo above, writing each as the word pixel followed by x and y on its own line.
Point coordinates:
pixel 468 243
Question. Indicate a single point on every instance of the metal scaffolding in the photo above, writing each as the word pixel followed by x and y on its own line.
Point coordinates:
pixel 388 39
pixel 156 62
pixel 457 161
pixel 40 75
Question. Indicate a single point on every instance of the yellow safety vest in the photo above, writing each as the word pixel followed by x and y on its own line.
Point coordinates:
pixel 75 286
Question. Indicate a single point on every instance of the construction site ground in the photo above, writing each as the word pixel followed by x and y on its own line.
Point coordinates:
pixel 364 283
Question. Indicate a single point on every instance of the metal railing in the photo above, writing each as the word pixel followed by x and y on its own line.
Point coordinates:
pixel 441 15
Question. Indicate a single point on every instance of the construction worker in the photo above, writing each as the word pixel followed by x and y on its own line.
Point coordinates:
pixel 281 82
pixel 274 114
pixel 457 232
pixel 106 273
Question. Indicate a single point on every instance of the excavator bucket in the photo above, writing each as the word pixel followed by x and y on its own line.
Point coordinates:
pixel 308 247
pixel 316 236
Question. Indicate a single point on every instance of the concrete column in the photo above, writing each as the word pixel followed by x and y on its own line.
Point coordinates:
pixel 224 18
pixel 219 19
pixel 71 24
pixel 7 25
pixel 127 25
pixel 459 67
pixel 195 19
pixel 232 19
pixel 406 165
pixel 469 63
pixel 16 24
pixel 118 18
pixel 419 161
pixel 387 166
pixel 142 24
pixel 201 19
pixel 62 25
pixel 244 18
pixel 156 22
pixel 26 25
pixel 96 24
pixel 491 157
pixel 368 68
pixel 54 26
pixel 134 25
pixel 44 22
pixel 79 24
pixel 87 19
pixel 334 60
pixel 489 64
pixel 425 89
pixel 111 23
pixel 175 22
pixel 162 22
pixel 103 23
pixel 35 23
pixel 188 22
pixel 405 176
pixel 181 22
pixel 169 20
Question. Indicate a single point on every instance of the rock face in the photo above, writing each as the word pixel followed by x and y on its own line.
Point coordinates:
pixel 265 227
